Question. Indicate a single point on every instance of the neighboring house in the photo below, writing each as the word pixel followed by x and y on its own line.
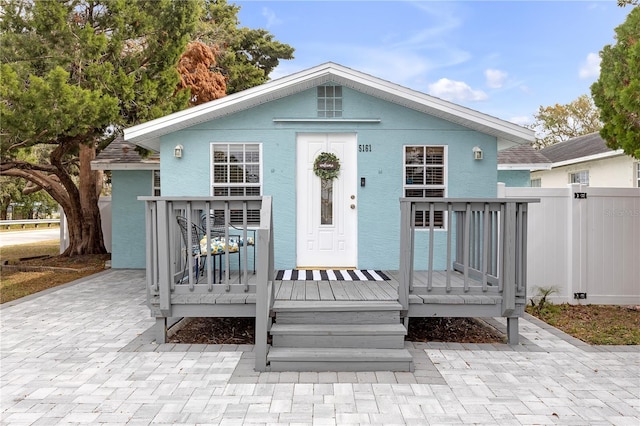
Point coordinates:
pixel 391 142
pixel 587 160
pixel 516 163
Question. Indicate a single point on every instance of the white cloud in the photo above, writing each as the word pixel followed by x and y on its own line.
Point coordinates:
pixel 272 19
pixel 455 91
pixel 524 89
pixel 591 67
pixel 495 78
pixel 521 120
pixel 402 67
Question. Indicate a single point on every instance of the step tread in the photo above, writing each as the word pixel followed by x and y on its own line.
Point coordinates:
pixel 339 329
pixel 335 305
pixel 455 299
pixel 338 354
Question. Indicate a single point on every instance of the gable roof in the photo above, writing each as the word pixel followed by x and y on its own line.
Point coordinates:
pixel 121 155
pixel 522 157
pixel 148 134
pixel 579 149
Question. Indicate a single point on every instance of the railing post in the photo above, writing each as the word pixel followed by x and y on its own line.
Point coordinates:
pixel 449 242
pixel 406 254
pixel 486 243
pixel 164 267
pixel 431 237
pixel 465 245
pixel 264 276
pixel 509 260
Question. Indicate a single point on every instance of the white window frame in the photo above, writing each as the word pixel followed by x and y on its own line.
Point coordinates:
pixel 327 112
pixel 213 184
pixel 535 183
pixel 637 179
pixel 155 189
pixel 444 186
pixel 236 217
pixel 579 174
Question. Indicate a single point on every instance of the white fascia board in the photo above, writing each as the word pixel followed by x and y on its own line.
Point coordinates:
pixel 600 156
pixel 530 167
pixel 148 134
pixel 437 107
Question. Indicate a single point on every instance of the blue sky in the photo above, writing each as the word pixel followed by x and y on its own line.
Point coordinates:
pixel 503 58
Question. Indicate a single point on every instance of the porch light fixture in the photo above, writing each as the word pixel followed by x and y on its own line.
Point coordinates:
pixel 477 153
pixel 177 151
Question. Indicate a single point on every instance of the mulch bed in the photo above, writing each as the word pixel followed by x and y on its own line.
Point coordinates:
pixel 239 331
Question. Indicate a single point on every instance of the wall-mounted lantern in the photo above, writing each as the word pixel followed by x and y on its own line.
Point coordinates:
pixel 177 151
pixel 477 153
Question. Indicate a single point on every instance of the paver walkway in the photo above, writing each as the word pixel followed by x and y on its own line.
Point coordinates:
pixel 81 354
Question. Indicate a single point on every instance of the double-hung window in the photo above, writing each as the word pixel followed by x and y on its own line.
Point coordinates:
pixel 237 171
pixel 425 176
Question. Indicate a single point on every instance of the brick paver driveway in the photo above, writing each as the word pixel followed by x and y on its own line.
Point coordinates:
pixel 81 354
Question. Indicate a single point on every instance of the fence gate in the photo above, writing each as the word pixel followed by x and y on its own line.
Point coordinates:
pixel 584 241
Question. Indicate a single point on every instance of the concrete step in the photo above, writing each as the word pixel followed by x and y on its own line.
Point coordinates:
pixel 387 336
pixel 339 359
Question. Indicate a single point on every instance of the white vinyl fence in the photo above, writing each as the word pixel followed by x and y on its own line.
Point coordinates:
pixel 583 241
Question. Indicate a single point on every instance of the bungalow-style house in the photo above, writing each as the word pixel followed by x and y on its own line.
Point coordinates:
pixel 589 161
pixel 326 177
pixel 379 128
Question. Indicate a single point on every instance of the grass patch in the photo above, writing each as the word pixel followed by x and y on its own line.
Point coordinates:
pixel 15 284
pixel 593 324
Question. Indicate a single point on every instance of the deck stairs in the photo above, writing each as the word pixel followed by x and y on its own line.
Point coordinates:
pixel 338 336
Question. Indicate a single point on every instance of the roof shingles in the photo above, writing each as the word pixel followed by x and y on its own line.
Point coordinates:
pixel 120 153
pixel 579 147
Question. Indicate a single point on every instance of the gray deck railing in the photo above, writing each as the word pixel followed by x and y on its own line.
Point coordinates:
pixel 488 238
pixel 175 268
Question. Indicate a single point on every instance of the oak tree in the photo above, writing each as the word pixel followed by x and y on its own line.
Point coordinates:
pixel 73 72
pixel 559 123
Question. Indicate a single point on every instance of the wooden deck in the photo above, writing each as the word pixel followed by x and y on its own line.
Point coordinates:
pixel 336 290
pixel 316 290
pixel 485 244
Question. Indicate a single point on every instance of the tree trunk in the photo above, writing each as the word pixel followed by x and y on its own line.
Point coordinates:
pixel 6 200
pixel 84 222
pixel 78 198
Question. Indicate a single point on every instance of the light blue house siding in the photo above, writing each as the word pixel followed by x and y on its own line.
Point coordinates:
pixel 128 235
pixel 515 178
pixel 382 166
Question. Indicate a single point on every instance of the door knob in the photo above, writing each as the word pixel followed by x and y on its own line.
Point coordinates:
pixel 353 206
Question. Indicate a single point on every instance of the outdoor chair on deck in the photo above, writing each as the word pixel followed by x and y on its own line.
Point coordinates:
pixel 191 246
pixel 218 229
pixel 218 244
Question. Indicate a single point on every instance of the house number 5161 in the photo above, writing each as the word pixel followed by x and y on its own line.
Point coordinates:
pixel 364 148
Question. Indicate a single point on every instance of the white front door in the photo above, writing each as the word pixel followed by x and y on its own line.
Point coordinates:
pixel 327 215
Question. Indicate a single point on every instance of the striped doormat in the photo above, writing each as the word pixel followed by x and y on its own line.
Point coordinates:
pixel 330 275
